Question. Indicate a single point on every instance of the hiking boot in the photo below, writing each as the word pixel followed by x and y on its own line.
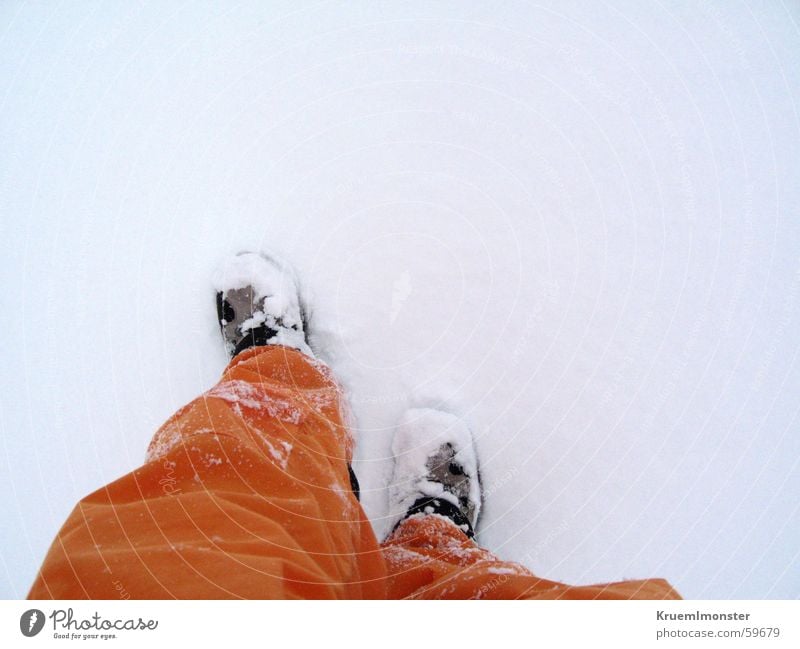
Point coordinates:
pixel 258 304
pixel 436 469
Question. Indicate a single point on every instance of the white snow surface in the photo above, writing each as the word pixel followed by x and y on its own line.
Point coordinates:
pixel 573 224
pixel 419 435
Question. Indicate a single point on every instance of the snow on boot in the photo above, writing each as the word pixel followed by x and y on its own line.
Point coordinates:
pixel 258 304
pixel 436 469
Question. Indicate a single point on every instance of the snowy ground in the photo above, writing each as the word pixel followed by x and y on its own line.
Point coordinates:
pixel 574 223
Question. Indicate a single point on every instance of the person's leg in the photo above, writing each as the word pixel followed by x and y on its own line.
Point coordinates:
pixel 246 491
pixel 428 557
pixel 435 496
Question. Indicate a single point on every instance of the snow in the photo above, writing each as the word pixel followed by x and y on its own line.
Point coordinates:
pixel 279 453
pixel 573 224
pixel 267 279
pixel 505 570
pixel 242 393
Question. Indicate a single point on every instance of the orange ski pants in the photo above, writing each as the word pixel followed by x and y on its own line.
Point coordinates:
pixel 246 494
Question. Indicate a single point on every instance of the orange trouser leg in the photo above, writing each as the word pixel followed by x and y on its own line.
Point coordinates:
pixel 430 558
pixel 246 493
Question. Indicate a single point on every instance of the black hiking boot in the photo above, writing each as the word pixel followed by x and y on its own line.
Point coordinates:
pixel 436 469
pixel 258 304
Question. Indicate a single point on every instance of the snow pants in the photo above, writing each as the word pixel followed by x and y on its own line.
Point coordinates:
pixel 246 493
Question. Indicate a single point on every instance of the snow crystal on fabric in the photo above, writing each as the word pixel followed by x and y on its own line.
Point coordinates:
pixel 279 452
pixel 242 393
pixel 169 436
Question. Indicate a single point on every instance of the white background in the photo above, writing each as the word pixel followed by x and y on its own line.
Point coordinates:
pixel 573 223
pixel 358 624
